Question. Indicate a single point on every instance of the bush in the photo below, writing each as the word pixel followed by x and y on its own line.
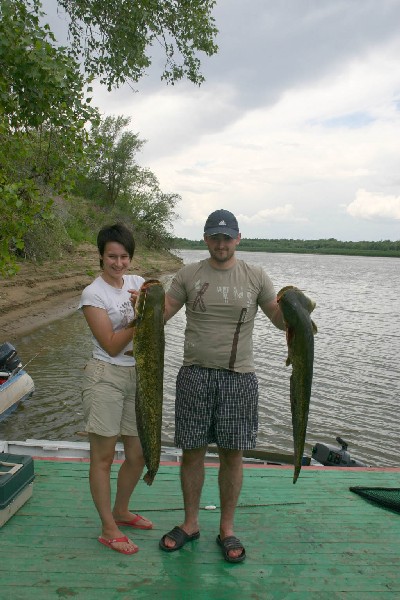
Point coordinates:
pixel 47 239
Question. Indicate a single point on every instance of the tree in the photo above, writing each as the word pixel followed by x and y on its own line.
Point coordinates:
pixel 43 113
pixel 113 165
pixel 152 209
pixel 116 179
pixel 39 81
pixel 45 95
pixel 113 39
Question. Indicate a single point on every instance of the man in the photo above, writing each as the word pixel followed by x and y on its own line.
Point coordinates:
pixel 217 388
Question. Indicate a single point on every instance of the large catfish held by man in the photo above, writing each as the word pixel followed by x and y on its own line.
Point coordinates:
pixel 300 330
pixel 148 350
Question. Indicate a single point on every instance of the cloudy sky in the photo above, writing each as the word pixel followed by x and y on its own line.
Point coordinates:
pixel 296 129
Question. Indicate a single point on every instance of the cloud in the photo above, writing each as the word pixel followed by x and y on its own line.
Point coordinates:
pixel 298 119
pixel 371 206
pixel 275 215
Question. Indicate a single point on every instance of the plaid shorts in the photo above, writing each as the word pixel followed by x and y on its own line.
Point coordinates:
pixel 216 406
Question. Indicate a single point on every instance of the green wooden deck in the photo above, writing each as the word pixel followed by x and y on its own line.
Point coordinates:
pixel 312 540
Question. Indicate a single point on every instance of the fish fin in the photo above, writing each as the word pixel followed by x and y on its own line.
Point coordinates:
pixel 289 335
pixel 132 323
pixel 314 327
pixel 283 290
pixel 289 338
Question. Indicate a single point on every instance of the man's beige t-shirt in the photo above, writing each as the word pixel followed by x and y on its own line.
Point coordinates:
pixel 220 309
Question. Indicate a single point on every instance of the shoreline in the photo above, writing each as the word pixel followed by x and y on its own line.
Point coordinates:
pixel 41 294
pixel 22 322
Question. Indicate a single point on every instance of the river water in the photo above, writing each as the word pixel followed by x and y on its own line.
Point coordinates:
pixel 356 385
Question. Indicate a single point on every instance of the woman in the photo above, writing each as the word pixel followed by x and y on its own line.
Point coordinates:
pixel 109 382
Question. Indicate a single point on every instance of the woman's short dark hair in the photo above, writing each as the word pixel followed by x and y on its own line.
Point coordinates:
pixel 115 233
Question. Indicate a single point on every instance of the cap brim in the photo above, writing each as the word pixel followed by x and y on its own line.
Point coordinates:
pixel 224 230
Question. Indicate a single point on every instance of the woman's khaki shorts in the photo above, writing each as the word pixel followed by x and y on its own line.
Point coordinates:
pixel 108 395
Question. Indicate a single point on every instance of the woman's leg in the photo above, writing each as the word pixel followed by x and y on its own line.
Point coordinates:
pixel 101 457
pixel 128 476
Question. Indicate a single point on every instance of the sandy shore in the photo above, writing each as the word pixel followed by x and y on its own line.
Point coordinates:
pixel 39 294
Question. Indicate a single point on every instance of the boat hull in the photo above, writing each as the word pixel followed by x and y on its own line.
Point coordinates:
pixel 15 390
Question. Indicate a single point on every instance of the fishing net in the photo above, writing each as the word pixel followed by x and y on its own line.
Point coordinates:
pixel 388 497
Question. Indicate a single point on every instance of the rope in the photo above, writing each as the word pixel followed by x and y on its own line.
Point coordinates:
pixel 217 507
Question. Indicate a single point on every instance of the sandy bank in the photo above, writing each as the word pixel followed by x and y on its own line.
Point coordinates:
pixel 39 294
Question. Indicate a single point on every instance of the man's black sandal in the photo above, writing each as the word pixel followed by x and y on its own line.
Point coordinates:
pixel 180 538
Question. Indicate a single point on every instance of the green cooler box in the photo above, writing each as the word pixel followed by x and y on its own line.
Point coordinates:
pixel 16 483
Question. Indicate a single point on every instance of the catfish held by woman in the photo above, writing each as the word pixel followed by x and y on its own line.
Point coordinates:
pixel 148 349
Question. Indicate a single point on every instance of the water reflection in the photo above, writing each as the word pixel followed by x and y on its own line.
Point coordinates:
pixel 356 386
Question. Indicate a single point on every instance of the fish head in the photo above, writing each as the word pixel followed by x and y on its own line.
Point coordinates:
pixel 151 294
pixel 291 296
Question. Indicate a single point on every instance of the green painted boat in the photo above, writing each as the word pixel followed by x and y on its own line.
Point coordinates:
pixel 313 541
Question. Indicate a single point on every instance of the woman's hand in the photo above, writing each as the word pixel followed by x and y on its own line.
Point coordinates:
pixel 134 296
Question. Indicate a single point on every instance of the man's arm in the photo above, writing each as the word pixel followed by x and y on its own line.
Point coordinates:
pixel 273 311
pixel 172 306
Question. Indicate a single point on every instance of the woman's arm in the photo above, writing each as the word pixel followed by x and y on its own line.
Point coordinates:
pixel 113 342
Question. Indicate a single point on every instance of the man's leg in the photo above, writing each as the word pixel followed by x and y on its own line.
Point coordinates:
pixel 237 412
pixel 192 480
pixel 230 480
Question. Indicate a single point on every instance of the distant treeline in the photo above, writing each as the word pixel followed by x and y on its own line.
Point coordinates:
pixel 328 246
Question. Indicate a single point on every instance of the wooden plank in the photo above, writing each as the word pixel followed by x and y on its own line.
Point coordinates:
pixel 230 581
pixel 314 540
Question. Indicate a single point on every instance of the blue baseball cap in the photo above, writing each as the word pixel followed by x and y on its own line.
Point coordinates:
pixel 222 221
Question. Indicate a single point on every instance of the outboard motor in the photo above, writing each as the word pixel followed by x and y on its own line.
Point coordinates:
pixel 9 359
pixel 331 456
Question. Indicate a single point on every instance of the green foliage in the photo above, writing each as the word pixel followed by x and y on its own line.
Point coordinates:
pixel 116 181
pixel 153 210
pixel 43 113
pixel 113 41
pixel 46 239
pixel 17 198
pixel 43 103
pixel 45 118
pixel 83 218
pixel 39 81
pixel 112 167
pixel 322 246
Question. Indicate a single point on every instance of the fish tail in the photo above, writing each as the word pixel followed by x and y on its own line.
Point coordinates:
pixel 148 478
pixel 296 473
